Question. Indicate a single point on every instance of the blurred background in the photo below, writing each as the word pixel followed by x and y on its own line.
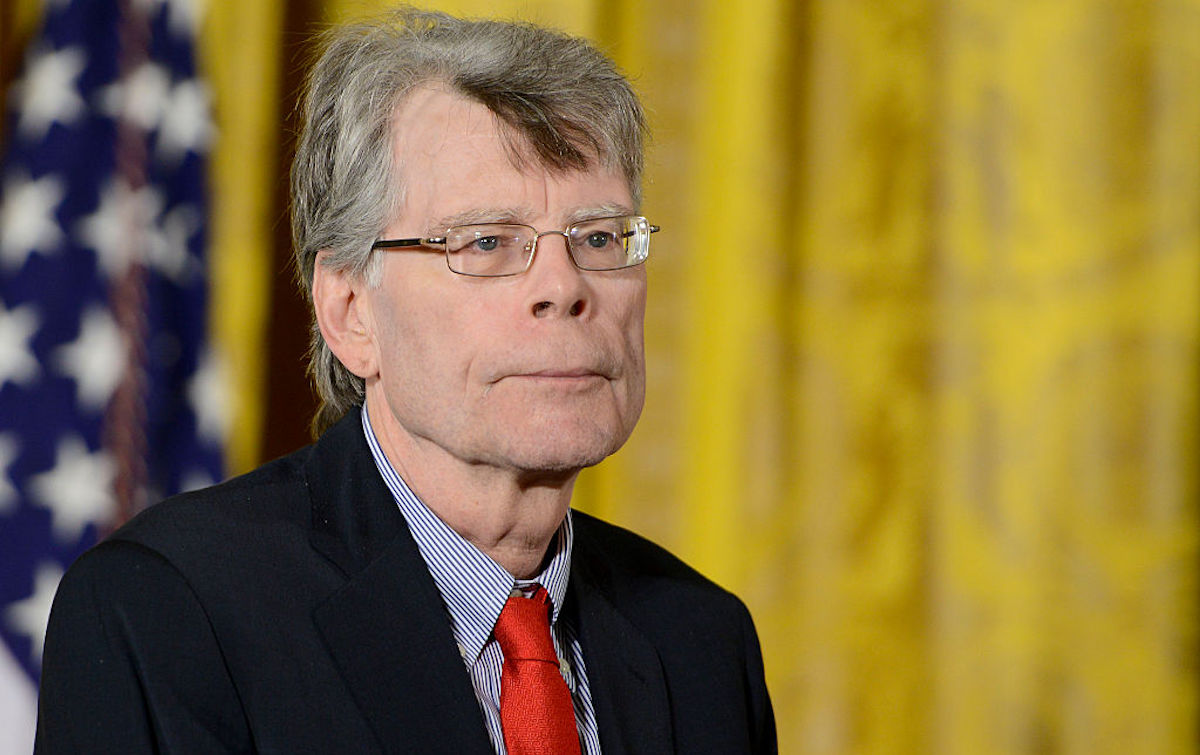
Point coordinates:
pixel 923 335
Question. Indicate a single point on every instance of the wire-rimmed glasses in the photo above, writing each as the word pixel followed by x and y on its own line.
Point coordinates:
pixel 493 250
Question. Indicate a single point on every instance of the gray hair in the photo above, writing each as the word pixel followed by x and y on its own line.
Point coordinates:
pixel 558 100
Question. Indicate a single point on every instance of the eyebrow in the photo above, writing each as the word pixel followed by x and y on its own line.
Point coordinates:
pixel 517 215
pixel 477 215
pixel 599 211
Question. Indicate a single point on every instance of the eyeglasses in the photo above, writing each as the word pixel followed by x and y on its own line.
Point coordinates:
pixel 494 250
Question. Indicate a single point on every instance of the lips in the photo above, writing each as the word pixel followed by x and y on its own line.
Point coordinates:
pixel 562 373
pixel 561 377
pixel 593 366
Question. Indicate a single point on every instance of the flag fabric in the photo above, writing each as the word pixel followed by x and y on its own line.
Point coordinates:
pixel 109 398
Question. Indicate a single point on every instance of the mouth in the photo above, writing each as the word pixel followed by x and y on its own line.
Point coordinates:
pixel 560 375
pixel 563 373
pixel 563 377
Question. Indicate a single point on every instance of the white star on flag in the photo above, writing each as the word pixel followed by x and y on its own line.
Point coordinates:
pixel 185 125
pixel 49 93
pixel 31 615
pixel 78 490
pixel 209 397
pixel 17 326
pixel 139 98
pixel 123 228
pixel 196 479
pixel 183 16
pixel 95 359
pixel 27 221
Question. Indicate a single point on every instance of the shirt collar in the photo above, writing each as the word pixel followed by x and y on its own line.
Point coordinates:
pixel 473 586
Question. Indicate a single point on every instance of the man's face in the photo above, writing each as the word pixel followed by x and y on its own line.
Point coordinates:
pixel 539 372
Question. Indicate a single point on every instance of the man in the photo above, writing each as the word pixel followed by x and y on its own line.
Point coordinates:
pixel 465 198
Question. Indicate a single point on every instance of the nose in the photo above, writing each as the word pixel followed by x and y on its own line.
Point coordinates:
pixel 556 286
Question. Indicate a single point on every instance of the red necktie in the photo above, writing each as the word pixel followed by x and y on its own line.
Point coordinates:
pixel 536 713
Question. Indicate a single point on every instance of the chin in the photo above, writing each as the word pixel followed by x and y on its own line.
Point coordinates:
pixel 558 461
pixel 562 447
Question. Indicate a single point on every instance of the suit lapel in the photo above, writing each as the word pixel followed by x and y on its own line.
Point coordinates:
pixel 625 674
pixel 387 631
pixel 392 642
pixel 386 628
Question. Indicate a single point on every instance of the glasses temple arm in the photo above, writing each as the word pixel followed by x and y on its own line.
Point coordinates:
pixel 401 243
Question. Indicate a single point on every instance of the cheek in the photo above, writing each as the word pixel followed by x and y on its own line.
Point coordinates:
pixel 634 321
pixel 425 340
pixel 402 336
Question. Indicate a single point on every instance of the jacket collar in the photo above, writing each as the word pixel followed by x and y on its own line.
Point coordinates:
pixel 385 627
pixel 353 515
pixel 625 673
pixel 390 637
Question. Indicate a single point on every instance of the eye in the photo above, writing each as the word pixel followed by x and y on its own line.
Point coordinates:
pixel 599 239
pixel 488 240
pixel 487 243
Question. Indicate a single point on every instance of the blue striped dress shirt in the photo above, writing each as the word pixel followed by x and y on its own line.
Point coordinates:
pixel 474 589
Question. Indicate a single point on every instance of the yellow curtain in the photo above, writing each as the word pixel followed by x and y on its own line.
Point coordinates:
pixel 924 339
pixel 239 51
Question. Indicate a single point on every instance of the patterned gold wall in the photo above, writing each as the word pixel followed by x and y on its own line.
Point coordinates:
pixel 924 337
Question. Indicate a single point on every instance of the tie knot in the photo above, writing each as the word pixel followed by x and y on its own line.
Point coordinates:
pixel 537 715
pixel 523 629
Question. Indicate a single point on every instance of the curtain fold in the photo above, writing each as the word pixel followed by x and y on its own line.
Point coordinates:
pixel 240 51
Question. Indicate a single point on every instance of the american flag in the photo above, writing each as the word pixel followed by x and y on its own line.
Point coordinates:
pixel 109 398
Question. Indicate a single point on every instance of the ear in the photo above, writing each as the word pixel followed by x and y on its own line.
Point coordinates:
pixel 344 317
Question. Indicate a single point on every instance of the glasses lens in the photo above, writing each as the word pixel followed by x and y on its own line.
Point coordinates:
pixel 609 243
pixel 490 249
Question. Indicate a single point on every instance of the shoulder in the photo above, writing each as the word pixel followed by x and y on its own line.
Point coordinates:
pixel 630 553
pixel 275 493
pixel 210 555
pixel 225 540
pixel 272 495
pixel 702 634
pixel 647 579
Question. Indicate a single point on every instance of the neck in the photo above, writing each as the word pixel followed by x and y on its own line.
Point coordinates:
pixel 509 515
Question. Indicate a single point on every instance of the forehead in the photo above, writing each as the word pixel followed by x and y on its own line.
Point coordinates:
pixel 453 158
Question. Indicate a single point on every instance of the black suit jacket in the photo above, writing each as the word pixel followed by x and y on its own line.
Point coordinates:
pixel 289 611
